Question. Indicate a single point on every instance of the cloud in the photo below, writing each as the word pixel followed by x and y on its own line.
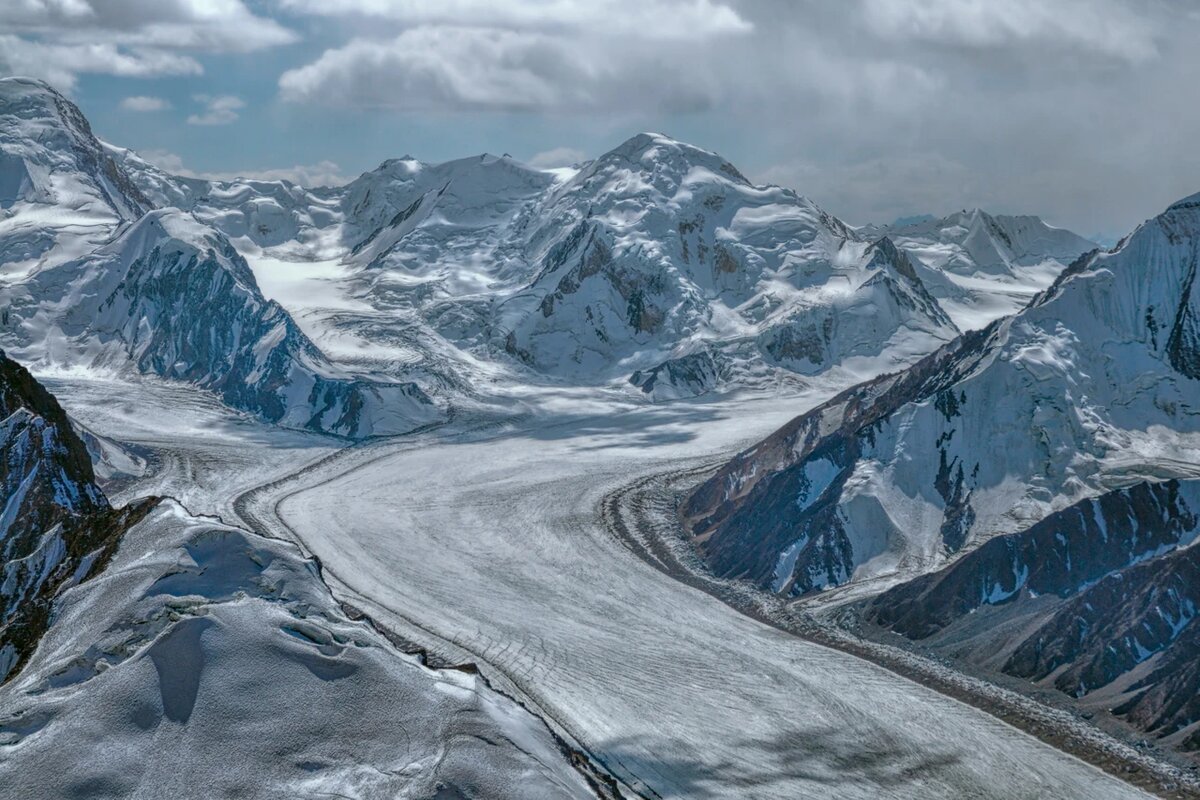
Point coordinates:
pixel 531 56
pixel 143 102
pixel 323 173
pixel 644 19
pixel 1104 27
pixel 60 39
pixel 218 110
pixel 436 67
pixel 557 157
pixel 60 64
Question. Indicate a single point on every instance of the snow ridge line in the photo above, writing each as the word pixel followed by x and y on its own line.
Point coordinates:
pixel 644 517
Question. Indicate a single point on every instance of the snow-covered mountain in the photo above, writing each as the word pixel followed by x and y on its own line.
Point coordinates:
pixel 652 255
pixel 659 250
pixel 172 297
pixel 1094 386
pixel 984 266
pixel 657 266
pixel 157 290
pixel 60 192
pixel 57 528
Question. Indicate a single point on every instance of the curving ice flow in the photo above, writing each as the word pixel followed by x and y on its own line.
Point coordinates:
pixel 490 542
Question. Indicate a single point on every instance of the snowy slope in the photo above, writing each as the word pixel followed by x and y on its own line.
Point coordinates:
pixel 172 297
pixel 56 526
pixel 983 266
pixel 60 192
pixel 1094 386
pixel 195 624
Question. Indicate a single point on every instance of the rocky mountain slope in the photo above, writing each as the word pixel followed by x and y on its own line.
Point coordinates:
pixel 1095 600
pixel 1092 387
pixel 56 528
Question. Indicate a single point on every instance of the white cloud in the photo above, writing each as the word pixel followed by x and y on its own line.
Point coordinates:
pixel 1106 27
pixel 533 55
pixel 323 173
pixel 143 102
pixel 647 19
pixel 493 69
pixel 557 157
pixel 60 64
pixel 218 110
pixel 60 39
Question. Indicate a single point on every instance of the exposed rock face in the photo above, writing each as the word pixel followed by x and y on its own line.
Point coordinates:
pixel 57 528
pixel 686 376
pixel 1097 598
pixel 1091 386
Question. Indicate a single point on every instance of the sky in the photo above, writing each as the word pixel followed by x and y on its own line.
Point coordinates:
pixel 1082 111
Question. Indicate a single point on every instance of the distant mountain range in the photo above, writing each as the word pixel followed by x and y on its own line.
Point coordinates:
pixel 657 267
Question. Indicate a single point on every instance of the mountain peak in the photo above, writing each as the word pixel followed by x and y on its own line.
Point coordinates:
pixel 658 152
pixel 50 155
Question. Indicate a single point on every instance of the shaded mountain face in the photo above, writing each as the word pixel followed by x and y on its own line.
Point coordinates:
pixel 173 298
pixel 1096 600
pixel 1093 386
pixel 57 528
